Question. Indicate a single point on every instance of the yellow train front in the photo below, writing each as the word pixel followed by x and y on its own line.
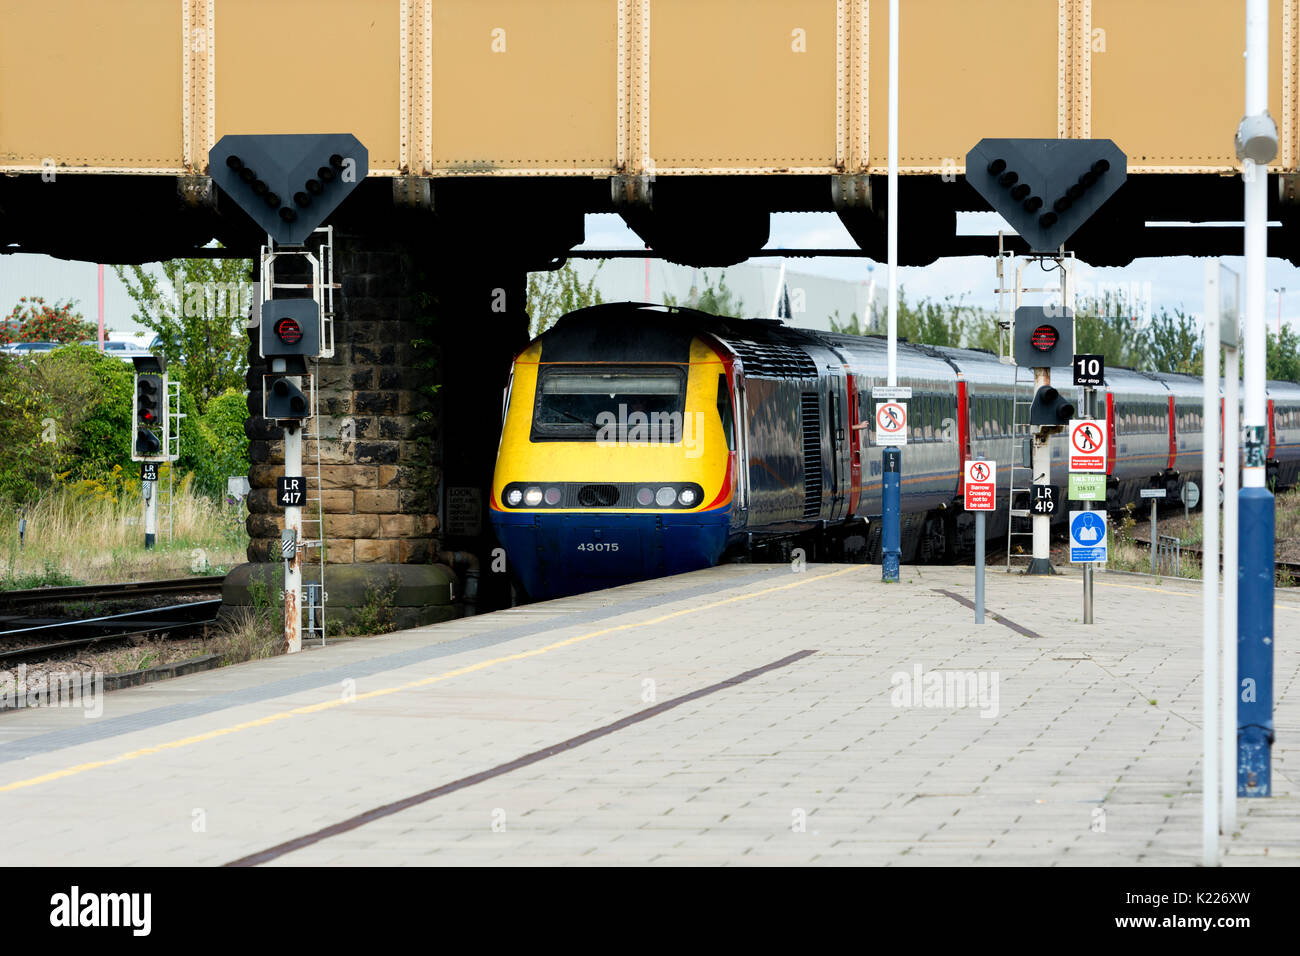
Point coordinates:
pixel 616 456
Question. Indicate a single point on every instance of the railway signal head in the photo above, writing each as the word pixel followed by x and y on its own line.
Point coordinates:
pixel 1046 188
pixel 283 399
pixel 288 183
pixel 1043 338
pixel 290 327
pixel 1050 408
pixel 148 413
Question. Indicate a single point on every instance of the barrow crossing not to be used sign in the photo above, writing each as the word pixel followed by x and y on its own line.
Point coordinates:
pixel 979 490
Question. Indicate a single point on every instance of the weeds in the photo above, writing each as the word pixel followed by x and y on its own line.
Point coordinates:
pixel 377 615
pixel 99 532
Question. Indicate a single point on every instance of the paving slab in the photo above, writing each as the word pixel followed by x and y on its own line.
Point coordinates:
pixel 745 715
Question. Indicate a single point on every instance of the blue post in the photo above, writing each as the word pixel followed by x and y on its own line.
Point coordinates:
pixel 1254 641
pixel 891 507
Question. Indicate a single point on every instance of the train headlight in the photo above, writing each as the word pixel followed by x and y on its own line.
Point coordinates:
pixel 665 497
pixel 533 497
pixel 645 497
pixel 513 497
pixel 552 496
pixel 687 497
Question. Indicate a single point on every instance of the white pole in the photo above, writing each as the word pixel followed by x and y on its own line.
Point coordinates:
pixel 1231 457
pixel 1256 223
pixel 1210 570
pixel 892 241
pixel 776 298
pixel 293 519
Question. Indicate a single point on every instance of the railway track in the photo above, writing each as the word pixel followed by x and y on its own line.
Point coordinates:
pixel 207 584
pixel 60 637
pixel 1292 568
pixel 32 638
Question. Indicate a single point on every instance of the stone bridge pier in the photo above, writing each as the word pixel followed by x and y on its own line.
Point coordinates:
pixel 410 416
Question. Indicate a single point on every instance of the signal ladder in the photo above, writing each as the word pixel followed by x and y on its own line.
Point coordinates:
pixel 1019 520
pixel 320 253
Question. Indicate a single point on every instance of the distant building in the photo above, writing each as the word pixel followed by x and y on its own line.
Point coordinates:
pixel 765 290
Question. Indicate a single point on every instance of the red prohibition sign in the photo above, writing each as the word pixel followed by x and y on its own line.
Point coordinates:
pixel 1086 438
pixel 979 471
pixel 890 418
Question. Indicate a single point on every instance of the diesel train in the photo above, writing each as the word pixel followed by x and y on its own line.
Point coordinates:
pixel 640 440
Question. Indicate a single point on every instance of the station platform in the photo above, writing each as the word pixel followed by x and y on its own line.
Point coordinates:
pixel 747 714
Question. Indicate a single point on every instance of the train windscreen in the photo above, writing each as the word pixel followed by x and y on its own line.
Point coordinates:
pixel 614 404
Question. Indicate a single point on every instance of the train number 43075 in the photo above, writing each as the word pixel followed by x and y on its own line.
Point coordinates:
pixel 598 546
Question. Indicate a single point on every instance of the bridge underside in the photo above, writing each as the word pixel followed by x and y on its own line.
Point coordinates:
pixel 700 220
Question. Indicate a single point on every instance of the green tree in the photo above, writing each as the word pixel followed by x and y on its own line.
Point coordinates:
pixel 929 322
pixel 63 416
pixel 198 309
pixel 1108 325
pixel 32 320
pixel 214 446
pixel 714 299
pixel 1282 355
pixel 1174 343
pixel 556 293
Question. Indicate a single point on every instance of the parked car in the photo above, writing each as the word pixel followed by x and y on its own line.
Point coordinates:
pixel 122 350
pixel 30 348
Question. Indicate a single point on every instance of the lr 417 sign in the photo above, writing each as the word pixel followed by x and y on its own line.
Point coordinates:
pixel 979 489
pixel 289 492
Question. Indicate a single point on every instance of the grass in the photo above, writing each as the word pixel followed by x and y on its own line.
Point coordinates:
pixel 78 537
pixel 1127 555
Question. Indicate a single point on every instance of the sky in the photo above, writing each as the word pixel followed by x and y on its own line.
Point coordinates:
pixel 1174 282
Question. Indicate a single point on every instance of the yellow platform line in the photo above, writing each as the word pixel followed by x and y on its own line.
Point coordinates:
pixel 410 685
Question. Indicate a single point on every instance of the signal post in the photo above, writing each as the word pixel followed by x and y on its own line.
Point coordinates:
pixel 1045 189
pixel 289 184
pixel 152 438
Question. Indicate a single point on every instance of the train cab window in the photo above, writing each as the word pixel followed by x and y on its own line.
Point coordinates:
pixel 724 412
pixel 621 404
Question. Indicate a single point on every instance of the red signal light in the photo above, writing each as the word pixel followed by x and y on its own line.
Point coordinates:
pixel 288 331
pixel 1044 338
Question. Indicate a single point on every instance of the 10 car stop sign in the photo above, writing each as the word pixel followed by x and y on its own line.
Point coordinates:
pixel 980 485
pixel 1087 445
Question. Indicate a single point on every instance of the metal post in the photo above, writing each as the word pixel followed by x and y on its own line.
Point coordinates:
pixel 979 567
pixel 293 520
pixel 1210 569
pixel 1231 481
pixel 1155 539
pixel 22 533
pixel 1256 531
pixel 891 516
pixel 891 463
pixel 150 514
pixel 1041 563
pixel 1089 408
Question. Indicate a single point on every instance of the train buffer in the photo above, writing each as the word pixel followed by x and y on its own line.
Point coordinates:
pixel 747 712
